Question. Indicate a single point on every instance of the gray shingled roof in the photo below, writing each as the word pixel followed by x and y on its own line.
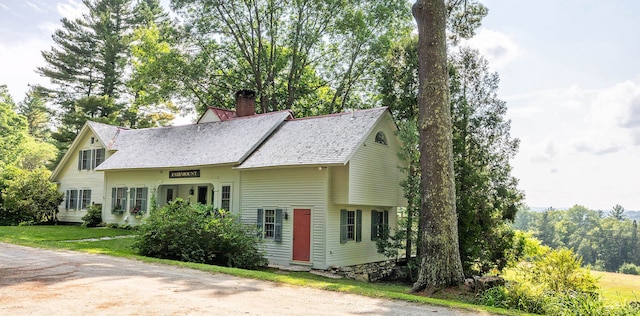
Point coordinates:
pixel 321 140
pixel 227 142
pixel 106 133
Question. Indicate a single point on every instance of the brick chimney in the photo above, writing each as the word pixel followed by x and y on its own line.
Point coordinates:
pixel 245 103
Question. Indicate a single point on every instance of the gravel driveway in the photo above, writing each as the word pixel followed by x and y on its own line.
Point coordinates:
pixel 44 282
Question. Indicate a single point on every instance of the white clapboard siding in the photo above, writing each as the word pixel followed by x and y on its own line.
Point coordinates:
pixel 353 252
pixel 72 178
pixel 288 188
pixel 212 177
pixel 374 178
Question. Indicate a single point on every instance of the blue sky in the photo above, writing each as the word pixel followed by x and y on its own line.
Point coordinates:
pixel 569 72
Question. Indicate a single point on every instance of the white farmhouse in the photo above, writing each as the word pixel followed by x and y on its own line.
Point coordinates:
pixel 321 189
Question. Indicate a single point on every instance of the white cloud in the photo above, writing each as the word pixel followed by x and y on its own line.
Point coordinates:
pixel 499 48
pixel 35 7
pixel 71 9
pixel 578 145
pixel 48 27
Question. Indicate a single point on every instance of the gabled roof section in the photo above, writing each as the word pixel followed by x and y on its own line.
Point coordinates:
pixel 319 140
pixel 214 114
pixel 214 143
pixel 105 133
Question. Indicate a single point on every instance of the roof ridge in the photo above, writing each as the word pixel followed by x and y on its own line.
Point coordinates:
pixel 341 113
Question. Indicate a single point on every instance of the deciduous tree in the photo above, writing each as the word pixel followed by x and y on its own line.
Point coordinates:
pixel 440 263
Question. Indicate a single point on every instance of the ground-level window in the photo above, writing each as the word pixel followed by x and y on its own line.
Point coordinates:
pixel 85 199
pixel 225 202
pixel 138 200
pixel 118 199
pixel 77 199
pixel 350 225
pixel 269 223
pixel 72 200
pixel 379 224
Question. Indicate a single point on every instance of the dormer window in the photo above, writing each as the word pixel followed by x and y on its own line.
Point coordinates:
pixel 381 138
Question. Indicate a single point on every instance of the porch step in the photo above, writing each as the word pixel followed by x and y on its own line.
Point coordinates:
pixel 295 268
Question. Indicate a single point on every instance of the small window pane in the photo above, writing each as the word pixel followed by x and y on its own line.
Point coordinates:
pixel 269 223
pixel 351 225
pixel 225 203
pixel 381 138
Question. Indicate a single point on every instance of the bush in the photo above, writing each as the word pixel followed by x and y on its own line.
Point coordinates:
pixel 93 218
pixel 551 283
pixel 197 233
pixel 29 196
pixel 629 268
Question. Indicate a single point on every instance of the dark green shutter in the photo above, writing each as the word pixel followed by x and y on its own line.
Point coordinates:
pixel 358 225
pixel 80 160
pixel 145 192
pixel 113 198
pixel 259 221
pixel 277 236
pixel 374 224
pixel 343 226
pixel 66 203
pixel 385 232
pixel 132 197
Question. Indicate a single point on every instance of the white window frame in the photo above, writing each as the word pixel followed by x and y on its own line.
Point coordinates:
pixel 228 199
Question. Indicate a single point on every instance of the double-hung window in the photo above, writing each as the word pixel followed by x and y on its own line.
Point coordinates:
pixel 379 224
pixel 118 199
pixel 84 160
pixel 225 199
pixel 350 225
pixel 269 223
pixel 138 200
pixel 88 159
pixel 77 199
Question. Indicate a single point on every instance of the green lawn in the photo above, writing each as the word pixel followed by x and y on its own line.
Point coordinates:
pixel 56 237
pixel 618 287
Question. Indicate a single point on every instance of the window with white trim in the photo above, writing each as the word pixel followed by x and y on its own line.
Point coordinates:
pixel 88 159
pixel 118 199
pixel 269 223
pixel 225 198
pixel 138 201
pixel 77 199
pixel 379 224
pixel 381 138
pixel 350 225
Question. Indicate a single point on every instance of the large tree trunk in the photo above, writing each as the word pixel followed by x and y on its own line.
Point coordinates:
pixel 440 263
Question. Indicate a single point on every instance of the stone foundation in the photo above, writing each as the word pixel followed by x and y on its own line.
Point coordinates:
pixel 369 272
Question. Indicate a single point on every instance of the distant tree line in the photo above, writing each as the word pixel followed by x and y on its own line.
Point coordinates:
pixel 604 240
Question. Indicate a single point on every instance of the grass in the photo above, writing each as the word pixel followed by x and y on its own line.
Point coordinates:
pixel 57 237
pixel 617 287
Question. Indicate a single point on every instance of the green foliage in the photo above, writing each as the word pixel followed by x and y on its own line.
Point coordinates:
pixel 93 218
pixel 605 243
pixel 29 196
pixel 197 233
pixel 553 283
pixel 486 194
pixel 308 56
pixel 629 268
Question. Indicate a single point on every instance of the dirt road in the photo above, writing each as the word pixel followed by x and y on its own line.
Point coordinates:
pixel 43 282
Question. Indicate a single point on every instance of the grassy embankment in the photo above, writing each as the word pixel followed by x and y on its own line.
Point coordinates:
pixel 57 237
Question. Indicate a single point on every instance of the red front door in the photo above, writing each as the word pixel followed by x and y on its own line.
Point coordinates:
pixel 301 234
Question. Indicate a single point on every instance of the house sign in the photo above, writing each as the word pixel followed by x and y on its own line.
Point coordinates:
pixel 184 174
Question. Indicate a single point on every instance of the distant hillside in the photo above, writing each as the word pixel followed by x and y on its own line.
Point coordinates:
pixel 632 215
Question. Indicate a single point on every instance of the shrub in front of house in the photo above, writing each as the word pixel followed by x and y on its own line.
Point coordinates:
pixel 93 218
pixel 197 233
